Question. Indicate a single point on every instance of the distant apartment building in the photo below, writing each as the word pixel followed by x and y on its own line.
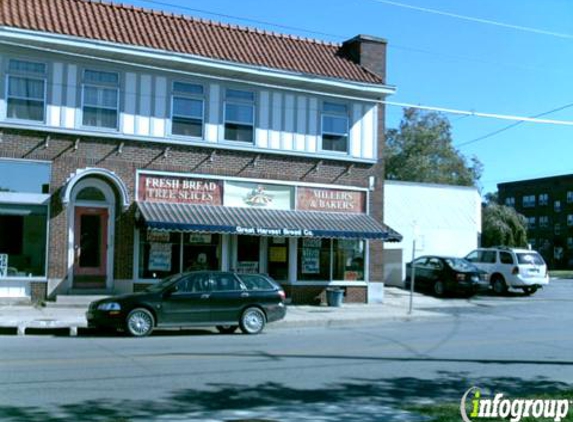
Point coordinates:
pixel 547 204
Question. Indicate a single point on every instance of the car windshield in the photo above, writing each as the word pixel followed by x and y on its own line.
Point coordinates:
pixel 163 283
pixel 459 264
pixel 531 258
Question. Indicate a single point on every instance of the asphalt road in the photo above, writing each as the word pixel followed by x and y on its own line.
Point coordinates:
pixel 515 344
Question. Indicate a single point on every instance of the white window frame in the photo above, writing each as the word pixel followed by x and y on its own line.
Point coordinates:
pixel 543 221
pixel 251 103
pixel 531 221
pixel 557 206
pixel 27 75
pixel 102 86
pixel 569 197
pixel 529 201
pixel 190 96
pixel 510 201
pixel 334 114
pixel 543 199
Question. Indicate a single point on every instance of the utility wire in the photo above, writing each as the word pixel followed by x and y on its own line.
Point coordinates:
pixel 476 20
pixel 511 126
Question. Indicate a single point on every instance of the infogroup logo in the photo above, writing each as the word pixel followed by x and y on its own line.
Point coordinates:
pixel 515 409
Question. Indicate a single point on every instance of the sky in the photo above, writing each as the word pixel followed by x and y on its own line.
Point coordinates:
pixel 508 57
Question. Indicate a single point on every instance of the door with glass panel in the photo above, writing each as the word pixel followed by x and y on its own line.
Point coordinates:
pixel 90 247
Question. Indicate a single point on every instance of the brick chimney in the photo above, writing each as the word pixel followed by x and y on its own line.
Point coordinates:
pixel 367 51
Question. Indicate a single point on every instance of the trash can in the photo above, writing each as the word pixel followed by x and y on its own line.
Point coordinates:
pixel 334 296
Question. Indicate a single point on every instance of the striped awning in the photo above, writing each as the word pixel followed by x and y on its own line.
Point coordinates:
pixel 262 222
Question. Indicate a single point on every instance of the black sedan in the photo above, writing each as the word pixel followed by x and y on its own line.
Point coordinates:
pixel 204 298
pixel 442 275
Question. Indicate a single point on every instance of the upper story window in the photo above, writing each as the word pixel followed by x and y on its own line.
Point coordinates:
pixel 531 222
pixel 239 115
pixel 543 221
pixel 569 197
pixel 510 201
pixel 187 110
pixel 100 99
pixel 334 127
pixel 543 199
pixel 570 219
pixel 529 201
pixel 26 95
pixel 557 206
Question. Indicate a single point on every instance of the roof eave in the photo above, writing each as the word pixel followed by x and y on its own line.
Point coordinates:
pixel 52 41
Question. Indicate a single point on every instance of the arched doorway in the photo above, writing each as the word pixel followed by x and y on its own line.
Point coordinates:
pixel 91 231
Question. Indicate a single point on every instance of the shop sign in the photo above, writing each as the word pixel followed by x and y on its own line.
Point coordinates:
pixel 258 195
pixel 180 190
pixel 248 267
pixel 160 257
pixel 3 265
pixel 199 238
pixel 310 261
pixel 261 231
pixel 335 200
pixel 157 236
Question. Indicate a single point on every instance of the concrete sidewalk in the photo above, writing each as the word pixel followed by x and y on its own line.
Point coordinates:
pixel 22 318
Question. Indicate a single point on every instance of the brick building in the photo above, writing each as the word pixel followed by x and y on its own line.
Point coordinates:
pixel 137 144
pixel 547 204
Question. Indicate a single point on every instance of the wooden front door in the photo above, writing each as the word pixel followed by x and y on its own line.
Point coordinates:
pixel 90 247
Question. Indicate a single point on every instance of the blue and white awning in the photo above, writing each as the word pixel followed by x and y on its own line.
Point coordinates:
pixel 263 222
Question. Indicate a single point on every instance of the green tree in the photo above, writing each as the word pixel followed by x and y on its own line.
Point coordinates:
pixel 503 226
pixel 421 150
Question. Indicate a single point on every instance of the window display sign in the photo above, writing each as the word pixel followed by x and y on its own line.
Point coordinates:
pixel 248 267
pixel 310 260
pixel 3 265
pixel 278 254
pixel 157 236
pixel 199 238
pixel 258 195
pixel 160 257
pixel 180 190
pixel 314 199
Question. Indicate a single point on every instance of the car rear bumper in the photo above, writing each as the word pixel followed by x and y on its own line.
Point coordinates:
pixel 275 312
pixel 529 281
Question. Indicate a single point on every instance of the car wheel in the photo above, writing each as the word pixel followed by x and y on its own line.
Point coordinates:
pixel 140 322
pixel 252 321
pixel 498 285
pixel 439 288
pixel 529 290
pixel 227 329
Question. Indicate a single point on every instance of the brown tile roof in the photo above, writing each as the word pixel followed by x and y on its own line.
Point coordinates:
pixel 141 27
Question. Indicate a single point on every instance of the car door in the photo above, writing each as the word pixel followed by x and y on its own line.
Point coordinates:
pixel 433 271
pixel 188 302
pixel 227 298
pixel 420 271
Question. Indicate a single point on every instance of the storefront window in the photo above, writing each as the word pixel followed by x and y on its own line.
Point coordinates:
pixel 248 253
pixel 330 259
pixel 314 259
pixel 159 253
pixel 164 253
pixel 201 251
pixel 23 240
pixel 348 259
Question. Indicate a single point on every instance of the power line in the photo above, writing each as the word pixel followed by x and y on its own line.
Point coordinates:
pixel 474 113
pixel 476 20
pixel 511 126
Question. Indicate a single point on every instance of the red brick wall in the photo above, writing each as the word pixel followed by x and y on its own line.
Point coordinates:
pixel 103 153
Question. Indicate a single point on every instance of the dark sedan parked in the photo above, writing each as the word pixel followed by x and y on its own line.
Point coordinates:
pixel 203 298
pixel 442 275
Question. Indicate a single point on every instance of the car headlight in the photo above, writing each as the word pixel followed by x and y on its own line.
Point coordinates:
pixel 109 306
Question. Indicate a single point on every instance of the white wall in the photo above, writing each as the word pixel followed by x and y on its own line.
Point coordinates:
pixel 448 221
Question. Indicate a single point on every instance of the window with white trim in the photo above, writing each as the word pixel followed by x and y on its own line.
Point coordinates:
pixel 335 127
pixel 26 95
pixel 543 221
pixel 557 206
pixel 100 99
pixel 543 199
pixel 239 115
pixel 531 222
pixel 569 197
pixel 570 219
pixel 187 109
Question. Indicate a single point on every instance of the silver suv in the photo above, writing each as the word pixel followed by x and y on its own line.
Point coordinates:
pixel 510 267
